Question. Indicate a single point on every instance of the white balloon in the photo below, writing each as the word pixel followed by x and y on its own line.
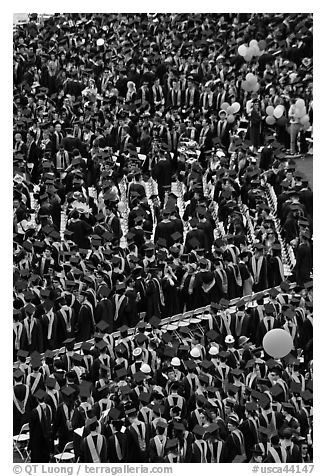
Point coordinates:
pixel 236 107
pixel 255 50
pixel 300 103
pixel 255 87
pixel 100 42
pixel 253 43
pixel 279 111
pixel 251 78
pixel 304 120
pixel 242 50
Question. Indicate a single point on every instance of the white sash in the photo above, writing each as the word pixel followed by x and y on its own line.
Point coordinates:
pixel 88 304
pixel 203 452
pixel 50 315
pixel 118 448
pixel 95 452
pixel 21 406
pixel 66 313
pixel 35 383
pixel 118 301
pixel 29 329
pixel 67 416
pixel 256 267
pixel 160 445
pixel 18 329
pixel 160 291
pixel 53 397
pixel 141 437
pixel 276 457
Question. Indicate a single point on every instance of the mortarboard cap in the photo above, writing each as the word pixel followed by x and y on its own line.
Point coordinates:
pixel 22 353
pixel 121 373
pixel 172 444
pixel 155 322
pixel 18 374
pixel 40 394
pixel 114 413
pixel 199 430
pixel 145 397
pixel 276 390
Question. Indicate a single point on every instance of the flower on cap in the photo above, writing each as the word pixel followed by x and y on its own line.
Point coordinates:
pixel 229 339
pixel 195 352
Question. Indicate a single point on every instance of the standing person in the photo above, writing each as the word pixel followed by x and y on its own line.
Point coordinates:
pixel 41 442
pixel 163 174
pixel 294 127
pixel 93 448
pixel 255 125
pixel 303 266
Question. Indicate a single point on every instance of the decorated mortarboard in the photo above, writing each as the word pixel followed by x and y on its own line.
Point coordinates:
pixel 120 349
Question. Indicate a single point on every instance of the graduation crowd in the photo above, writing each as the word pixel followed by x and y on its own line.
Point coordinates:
pixel 156 239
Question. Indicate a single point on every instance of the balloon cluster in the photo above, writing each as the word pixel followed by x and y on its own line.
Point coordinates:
pixel 230 110
pixel 255 48
pixel 300 113
pixel 275 114
pixel 251 83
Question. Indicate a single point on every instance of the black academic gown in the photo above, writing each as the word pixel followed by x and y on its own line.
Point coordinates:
pixel 41 441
